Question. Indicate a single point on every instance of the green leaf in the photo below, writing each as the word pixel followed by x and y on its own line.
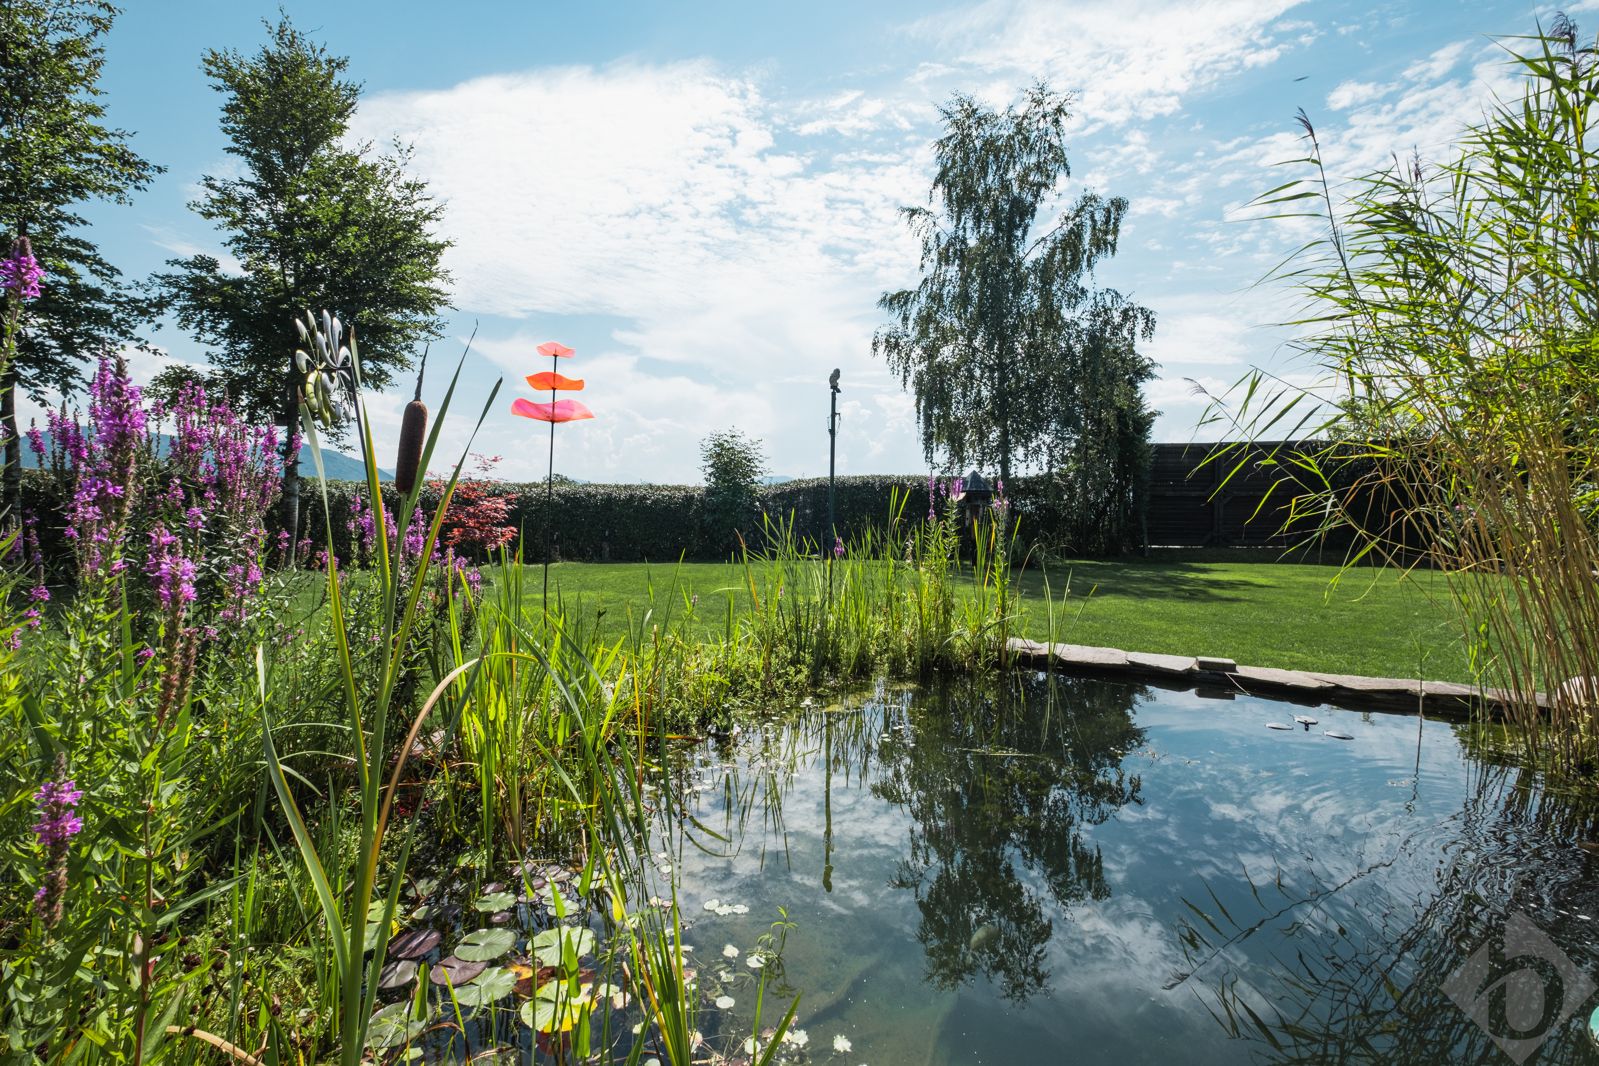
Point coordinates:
pixel 491 985
pixel 551 945
pixel 392 1026
pixel 495 901
pixel 482 945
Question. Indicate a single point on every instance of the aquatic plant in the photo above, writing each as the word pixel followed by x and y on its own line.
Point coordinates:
pixel 1451 304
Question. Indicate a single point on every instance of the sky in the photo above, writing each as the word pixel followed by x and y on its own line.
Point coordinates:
pixel 703 199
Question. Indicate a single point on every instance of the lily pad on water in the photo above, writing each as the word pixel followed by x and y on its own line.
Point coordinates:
pixel 397 972
pixel 1277 725
pixel 492 984
pixel 550 945
pixel 554 1008
pixel 414 943
pixel 392 1026
pixel 454 971
pixel 1337 735
pixel 485 945
pixel 495 901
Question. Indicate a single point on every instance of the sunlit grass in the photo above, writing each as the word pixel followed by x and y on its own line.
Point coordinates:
pixel 1375 621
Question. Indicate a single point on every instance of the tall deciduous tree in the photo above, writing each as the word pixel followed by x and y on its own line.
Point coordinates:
pixel 1011 353
pixel 314 222
pixel 56 154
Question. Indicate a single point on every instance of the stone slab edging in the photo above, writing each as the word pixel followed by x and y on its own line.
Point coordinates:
pixel 1222 678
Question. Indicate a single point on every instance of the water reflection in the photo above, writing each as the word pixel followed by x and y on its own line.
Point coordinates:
pixel 1175 881
pixel 1515 881
pixel 998 800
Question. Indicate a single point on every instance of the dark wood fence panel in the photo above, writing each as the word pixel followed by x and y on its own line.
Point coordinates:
pixel 1188 507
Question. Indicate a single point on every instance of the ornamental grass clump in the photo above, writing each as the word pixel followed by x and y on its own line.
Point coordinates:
pixel 1455 305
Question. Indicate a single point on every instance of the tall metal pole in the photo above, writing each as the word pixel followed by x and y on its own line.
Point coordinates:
pixel 832 452
pixel 549 488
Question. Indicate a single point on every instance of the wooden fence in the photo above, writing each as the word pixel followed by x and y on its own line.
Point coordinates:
pixel 1188 507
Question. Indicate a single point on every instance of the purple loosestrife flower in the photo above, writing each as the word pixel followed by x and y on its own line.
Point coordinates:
pixel 838 548
pixel 36 442
pixel 58 823
pixel 20 272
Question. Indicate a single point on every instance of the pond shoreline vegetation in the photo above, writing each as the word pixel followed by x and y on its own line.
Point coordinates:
pixel 364 795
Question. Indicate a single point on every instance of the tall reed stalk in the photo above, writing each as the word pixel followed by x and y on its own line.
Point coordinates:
pixel 1455 309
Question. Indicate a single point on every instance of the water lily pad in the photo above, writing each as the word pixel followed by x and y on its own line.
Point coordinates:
pixel 550 945
pixel 485 945
pixel 724 1002
pixel 501 917
pixel 392 1026
pixel 1337 735
pixel 454 971
pixel 495 901
pixel 712 904
pixel 554 1008
pixel 397 972
pixel 414 943
pixel 492 984
pixel 1277 725
pixel 729 952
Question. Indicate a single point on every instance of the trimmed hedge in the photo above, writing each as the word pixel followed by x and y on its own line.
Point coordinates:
pixel 643 523
pixel 656 523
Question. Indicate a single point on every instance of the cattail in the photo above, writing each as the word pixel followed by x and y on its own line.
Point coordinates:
pixel 413 428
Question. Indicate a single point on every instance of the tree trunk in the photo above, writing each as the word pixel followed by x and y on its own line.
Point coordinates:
pixel 12 502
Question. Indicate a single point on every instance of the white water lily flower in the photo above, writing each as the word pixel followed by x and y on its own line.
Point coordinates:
pixel 724 1002
pixel 841 1044
pixel 797 1037
pixel 754 962
pixel 730 952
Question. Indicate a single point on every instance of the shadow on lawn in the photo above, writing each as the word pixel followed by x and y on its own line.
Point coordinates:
pixel 1139 581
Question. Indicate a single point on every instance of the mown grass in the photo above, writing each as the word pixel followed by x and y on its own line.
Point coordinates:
pixel 1376 621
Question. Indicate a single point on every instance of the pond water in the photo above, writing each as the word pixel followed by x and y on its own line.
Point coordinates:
pixel 1093 871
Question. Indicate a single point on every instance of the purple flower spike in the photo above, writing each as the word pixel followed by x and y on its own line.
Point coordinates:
pixel 58 823
pixel 20 272
pixel 838 548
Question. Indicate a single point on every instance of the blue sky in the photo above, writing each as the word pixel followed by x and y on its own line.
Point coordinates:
pixel 702 198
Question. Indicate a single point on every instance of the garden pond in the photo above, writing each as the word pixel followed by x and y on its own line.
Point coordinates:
pixel 1063 869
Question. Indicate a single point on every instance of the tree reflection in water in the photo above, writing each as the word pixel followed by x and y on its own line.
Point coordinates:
pixel 1001 780
pixel 1344 980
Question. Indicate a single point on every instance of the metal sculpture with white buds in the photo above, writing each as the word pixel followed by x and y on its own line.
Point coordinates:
pixel 329 368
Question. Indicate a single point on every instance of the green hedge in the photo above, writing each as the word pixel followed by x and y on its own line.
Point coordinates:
pixel 660 523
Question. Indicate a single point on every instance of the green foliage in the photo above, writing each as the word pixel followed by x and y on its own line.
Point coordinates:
pixel 733 464
pixel 1453 305
pixel 56 154
pixel 314 224
pixel 1012 355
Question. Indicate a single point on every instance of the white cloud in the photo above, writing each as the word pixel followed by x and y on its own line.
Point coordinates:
pixel 1350 94
pixel 1128 61
pixel 730 250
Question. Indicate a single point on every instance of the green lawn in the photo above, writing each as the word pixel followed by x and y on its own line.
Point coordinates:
pixel 1374 621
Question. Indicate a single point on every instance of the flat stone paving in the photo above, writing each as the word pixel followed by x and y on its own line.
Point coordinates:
pixel 1440 698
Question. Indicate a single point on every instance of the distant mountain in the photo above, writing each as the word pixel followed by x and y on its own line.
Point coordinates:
pixel 339 467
